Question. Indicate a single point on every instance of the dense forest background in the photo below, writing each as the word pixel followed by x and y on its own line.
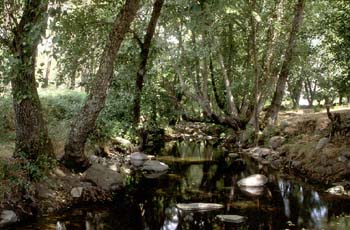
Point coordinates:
pixel 77 72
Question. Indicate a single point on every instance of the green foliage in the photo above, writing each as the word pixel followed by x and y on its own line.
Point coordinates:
pixel 7 115
pixel 38 168
pixel 62 105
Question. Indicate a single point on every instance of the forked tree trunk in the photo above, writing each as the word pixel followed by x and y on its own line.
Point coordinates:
pixel 272 113
pixel 32 138
pixel 74 157
pixel 145 46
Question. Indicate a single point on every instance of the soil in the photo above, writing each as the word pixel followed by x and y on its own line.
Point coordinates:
pixel 329 165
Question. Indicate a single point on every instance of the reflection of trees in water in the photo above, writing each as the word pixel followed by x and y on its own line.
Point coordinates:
pixel 302 207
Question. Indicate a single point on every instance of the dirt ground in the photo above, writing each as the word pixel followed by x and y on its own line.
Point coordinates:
pixel 302 152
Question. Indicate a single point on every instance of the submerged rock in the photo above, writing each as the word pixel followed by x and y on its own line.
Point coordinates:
pixel 154 166
pixel 104 177
pixel 255 180
pixel 152 175
pixel 199 207
pixel 8 217
pixel 236 219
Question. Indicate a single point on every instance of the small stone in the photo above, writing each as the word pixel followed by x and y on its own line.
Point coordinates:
pixel 76 192
pixel 236 219
pixel 322 143
pixel 276 142
pixel 8 217
pixel 336 190
pixel 233 155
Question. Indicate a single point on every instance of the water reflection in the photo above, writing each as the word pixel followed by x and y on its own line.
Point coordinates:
pixel 200 172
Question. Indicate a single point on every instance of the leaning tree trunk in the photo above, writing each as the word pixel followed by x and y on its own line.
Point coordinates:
pixel 74 157
pixel 145 46
pixel 273 111
pixel 32 138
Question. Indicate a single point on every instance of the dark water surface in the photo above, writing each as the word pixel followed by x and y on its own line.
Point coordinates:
pixel 200 172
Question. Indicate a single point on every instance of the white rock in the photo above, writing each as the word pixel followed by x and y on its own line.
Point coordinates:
pixel 8 217
pixel 337 190
pixel 199 207
pixel 236 219
pixel 76 192
pixel 253 181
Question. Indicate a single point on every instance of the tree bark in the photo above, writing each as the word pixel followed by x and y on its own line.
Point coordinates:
pixel 273 111
pixel 145 46
pixel 47 74
pixel 32 138
pixel 74 157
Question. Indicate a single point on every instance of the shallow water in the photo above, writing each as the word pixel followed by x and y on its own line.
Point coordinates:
pixel 201 172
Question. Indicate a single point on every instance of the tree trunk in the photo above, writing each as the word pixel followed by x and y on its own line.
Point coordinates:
pixel 219 101
pixel 273 111
pixel 145 46
pixel 229 97
pixel 74 157
pixel 32 138
pixel 47 74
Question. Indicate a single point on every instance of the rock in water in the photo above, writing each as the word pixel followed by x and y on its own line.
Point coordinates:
pixel 155 166
pixel 236 219
pixel 253 191
pixel 8 217
pixel 255 180
pixel 199 207
pixel 137 159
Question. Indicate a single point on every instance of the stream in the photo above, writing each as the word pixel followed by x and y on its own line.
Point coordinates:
pixel 202 172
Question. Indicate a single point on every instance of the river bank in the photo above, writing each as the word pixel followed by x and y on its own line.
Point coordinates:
pixel 293 147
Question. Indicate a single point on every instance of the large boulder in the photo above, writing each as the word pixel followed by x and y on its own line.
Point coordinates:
pixel 154 166
pixel 255 180
pixel 104 177
pixel 276 142
pixel 8 217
